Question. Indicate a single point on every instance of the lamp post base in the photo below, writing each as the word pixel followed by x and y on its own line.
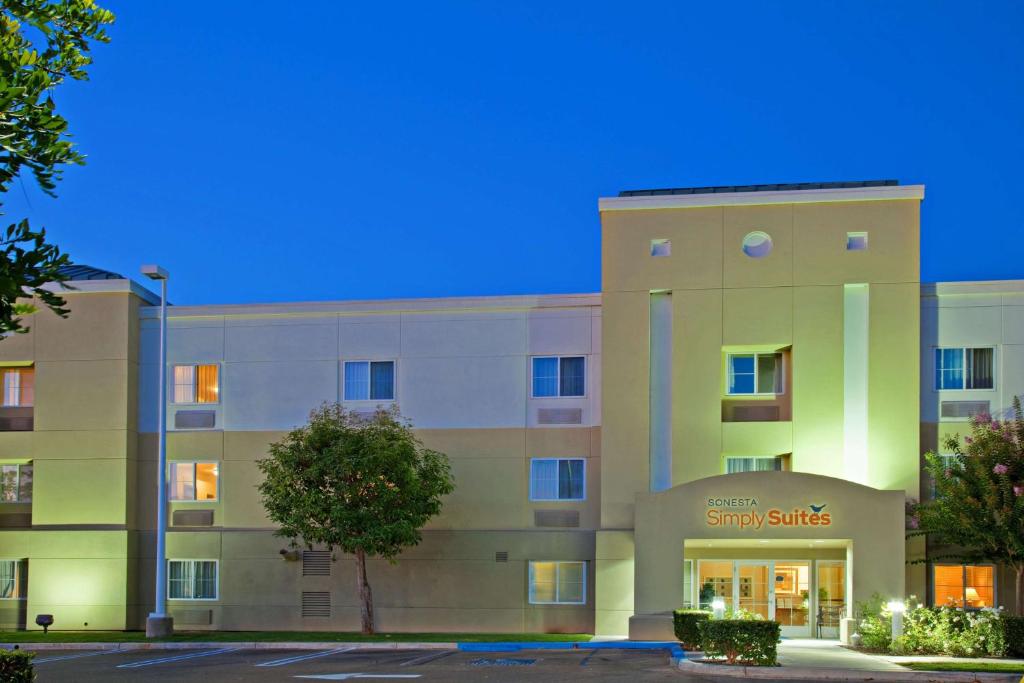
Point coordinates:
pixel 159 626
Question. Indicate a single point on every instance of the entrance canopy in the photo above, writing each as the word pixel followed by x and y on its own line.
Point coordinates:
pixel 768 515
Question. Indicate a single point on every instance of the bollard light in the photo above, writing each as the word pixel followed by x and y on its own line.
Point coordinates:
pixel 718 608
pixel 897 607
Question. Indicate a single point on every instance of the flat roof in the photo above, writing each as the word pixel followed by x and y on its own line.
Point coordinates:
pixel 754 195
pixel 769 187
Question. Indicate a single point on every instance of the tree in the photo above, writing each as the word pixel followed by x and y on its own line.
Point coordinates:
pixel 977 512
pixel 364 486
pixel 42 43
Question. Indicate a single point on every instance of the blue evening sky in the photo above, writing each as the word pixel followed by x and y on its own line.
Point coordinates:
pixel 267 151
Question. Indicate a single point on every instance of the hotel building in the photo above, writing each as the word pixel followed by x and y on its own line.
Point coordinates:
pixel 740 413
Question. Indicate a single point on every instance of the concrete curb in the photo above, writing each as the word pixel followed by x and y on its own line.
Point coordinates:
pixel 814 674
pixel 129 647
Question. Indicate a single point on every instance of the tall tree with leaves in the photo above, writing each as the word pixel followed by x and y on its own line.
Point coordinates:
pixel 977 512
pixel 42 44
pixel 364 486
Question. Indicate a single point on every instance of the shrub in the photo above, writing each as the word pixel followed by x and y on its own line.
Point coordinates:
pixel 16 666
pixel 741 640
pixel 687 626
pixel 1013 635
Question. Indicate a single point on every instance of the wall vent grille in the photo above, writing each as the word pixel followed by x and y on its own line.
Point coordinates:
pixel 195 419
pixel 560 416
pixel 316 563
pixel 192 518
pixel 755 414
pixel 964 409
pixel 501 556
pixel 556 518
pixel 316 604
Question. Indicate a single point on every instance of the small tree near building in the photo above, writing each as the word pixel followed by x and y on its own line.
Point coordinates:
pixel 978 506
pixel 366 486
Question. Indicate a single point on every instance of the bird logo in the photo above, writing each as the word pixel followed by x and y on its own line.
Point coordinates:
pixel 817 508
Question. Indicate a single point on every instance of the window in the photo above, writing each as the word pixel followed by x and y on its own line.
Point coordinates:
pixel 661 247
pixel 759 464
pixel 755 373
pixel 193 481
pixel 16 483
pixel 558 376
pixel 192 579
pixel 13 579
pixel 557 479
pixel 370 380
pixel 856 241
pixel 757 244
pixel 195 384
pixel 964 368
pixel 970 586
pixel 558 583
pixel 19 387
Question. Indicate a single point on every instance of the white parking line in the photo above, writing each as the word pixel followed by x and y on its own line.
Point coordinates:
pixel 61 658
pixel 345 677
pixel 429 657
pixel 177 658
pixel 302 658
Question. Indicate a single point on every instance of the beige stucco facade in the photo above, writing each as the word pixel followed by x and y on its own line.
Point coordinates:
pixel 657 424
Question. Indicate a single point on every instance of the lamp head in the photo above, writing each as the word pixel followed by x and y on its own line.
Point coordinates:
pixel 718 604
pixel 897 606
pixel 155 272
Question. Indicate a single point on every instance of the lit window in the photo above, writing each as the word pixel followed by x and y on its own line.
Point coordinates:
pixel 558 583
pixel 195 384
pixel 192 579
pixel 370 380
pixel 970 586
pixel 557 479
pixel 13 579
pixel 558 376
pixel 755 373
pixel 856 241
pixel 964 368
pixel 19 387
pixel 16 483
pixel 761 464
pixel 193 481
pixel 661 248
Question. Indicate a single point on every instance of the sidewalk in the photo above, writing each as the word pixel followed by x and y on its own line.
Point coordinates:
pixel 826 660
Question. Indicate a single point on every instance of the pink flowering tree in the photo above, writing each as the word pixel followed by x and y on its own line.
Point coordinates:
pixel 978 508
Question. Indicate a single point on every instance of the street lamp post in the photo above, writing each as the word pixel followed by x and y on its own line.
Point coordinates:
pixel 159 624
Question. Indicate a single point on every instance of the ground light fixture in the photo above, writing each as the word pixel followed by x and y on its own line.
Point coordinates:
pixel 159 624
pixel 718 608
pixel 897 607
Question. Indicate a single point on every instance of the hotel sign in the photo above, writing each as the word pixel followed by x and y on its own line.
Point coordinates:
pixel 745 513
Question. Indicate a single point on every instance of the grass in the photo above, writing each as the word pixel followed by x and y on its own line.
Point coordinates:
pixel 973 667
pixel 285 636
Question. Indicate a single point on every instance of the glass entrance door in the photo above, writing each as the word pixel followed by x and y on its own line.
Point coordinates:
pixel 753 588
pixel 793 598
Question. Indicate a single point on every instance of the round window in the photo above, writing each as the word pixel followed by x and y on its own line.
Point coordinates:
pixel 757 244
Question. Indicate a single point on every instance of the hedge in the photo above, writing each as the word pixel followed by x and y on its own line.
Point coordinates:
pixel 741 641
pixel 16 666
pixel 687 626
pixel 1013 632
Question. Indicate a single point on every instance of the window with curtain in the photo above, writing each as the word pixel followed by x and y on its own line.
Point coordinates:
pixel 559 376
pixel 196 384
pixel 965 368
pixel 369 380
pixel 754 373
pixel 558 583
pixel 193 481
pixel 192 579
pixel 734 465
pixel 19 387
pixel 557 479
pixel 969 586
pixel 13 579
pixel 16 483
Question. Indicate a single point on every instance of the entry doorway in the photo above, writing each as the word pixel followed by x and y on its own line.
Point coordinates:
pixel 806 597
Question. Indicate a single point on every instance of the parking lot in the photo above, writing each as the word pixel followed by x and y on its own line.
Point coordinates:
pixel 218 664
